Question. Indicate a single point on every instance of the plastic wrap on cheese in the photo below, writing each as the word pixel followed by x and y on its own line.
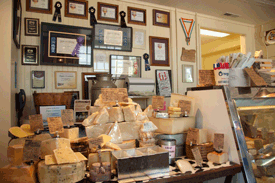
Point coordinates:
pixel 129 113
pixel 89 121
pixel 115 114
pixel 142 116
pixel 115 134
pixel 149 111
pixel 138 109
pixel 102 117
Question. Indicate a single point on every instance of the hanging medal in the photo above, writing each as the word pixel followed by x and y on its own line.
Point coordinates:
pixel 189 31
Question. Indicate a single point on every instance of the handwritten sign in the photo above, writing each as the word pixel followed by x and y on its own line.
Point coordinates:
pixel 36 122
pixel 257 80
pixel 188 55
pixel 82 105
pixel 95 142
pixel 55 125
pixel 114 94
pixel 206 77
pixel 185 106
pixel 258 144
pixel 197 156
pixel 31 150
pixel 192 136
pixel 67 116
pixel 218 141
pixel 158 102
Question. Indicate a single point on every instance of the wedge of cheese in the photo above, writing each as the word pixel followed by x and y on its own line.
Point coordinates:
pixel 128 144
pixel 217 157
pixel 138 109
pixel 110 145
pixel 115 114
pixel 71 133
pixel 18 174
pixel 142 116
pixel 17 132
pixel 149 111
pixel 47 146
pixel 89 121
pixel 102 117
pixel 15 155
pixel 65 155
pixel 27 129
pixel 94 109
pixel 115 134
pixel 129 114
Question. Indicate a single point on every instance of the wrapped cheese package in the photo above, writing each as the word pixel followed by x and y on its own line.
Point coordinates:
pixel 89 121
pixel 142 116
pixel 115 114
pixel 115 134
pixel 138 109
pixel 102 117
pixel 149 111
pixel 129 113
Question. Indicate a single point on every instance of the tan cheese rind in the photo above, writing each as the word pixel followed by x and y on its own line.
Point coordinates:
pixel 89 121
pixel 80 156
pixel 93 158
pixel 65 155
pixel 50 160
pixel 47 146
pixel 15 155
pixel 102 117
pixel 18 174
pixel 71 133
pixel 149 111
pixel 129 114
pixel 217 157
pixel 66 173
pixel 115 114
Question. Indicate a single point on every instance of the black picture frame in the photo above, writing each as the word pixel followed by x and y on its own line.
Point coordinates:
pixel 32 27
pixel 17 21
pixel 53 34
pixel 99 41
pixel 40 74
pixel 30 55
pixel 157 84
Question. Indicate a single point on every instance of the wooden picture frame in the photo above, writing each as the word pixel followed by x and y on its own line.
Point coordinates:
pixel 32 27
pixel 161 18
pixel 159 51
pixel 38 79
pixel 65 79
pixel 104 15
pixel 76 9
pixel 139 39
pixel 39 7
pixel 136 16
pixel 187 73
pixel 17 23
pixel 30 55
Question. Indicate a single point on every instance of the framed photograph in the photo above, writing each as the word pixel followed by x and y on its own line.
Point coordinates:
pixel 136 16
pixel 76 9
pixel 107 12
pixel 159 51
pixel 112 37
pixel 65 79
pixel 101 62
pixel 187 74
pixel 32 27
pixel 66 45
pixel 17 16
pixel 39 6
pixel 163 83
pixel 38 79
pixel 30 55
pixel 161 18
pixel 139 39
pixel 125 65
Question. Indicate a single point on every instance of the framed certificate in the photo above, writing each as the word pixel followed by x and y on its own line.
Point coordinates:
pixel 76 9
pixel 187 74
pixel 65 79
pixel 30 55
pixel 159 51
pixel 32 27
pixel 136 16
pixel 161 18
pixel 39 6
pixel 139 39
pixel 38 79
pixel 107 12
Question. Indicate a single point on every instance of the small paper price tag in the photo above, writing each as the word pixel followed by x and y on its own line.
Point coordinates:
pixel 192 136
pixel 55 125
pixel 95 142
pixel 218 141
pixel 158 102
pixel 185 106
pixel 36 122
pixel 258 144
pixel 197 156
pixel 31 150
pixel 67 116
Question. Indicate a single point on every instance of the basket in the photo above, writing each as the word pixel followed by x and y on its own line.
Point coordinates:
pixel 203 148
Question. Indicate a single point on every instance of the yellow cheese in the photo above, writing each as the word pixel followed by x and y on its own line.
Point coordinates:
pixel 17 132
pixel 18 174
pixel 94 158
pixel 65 155
pixel 50 160
pixel 129 114
pixel 174 113
pixel 18 141
pixel 106 139
pixel 42 137
pixel 89 121
pixel 102 117
pixel 47 146
pixel 15 155
pixel 27 129
pixel 71 133
pixel 116 114
pixel 175 109
pixel 80 156
pixel 112 146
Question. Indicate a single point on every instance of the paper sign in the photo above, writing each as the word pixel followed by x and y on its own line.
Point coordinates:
pixel 185 106
pixel 65 155
pixel 31 150
pixel 55 125
pixel 218 141
pixel 114 94
pixel 257 80
pixel 95 142
pixel 36 122
pixel 206 77
pixel 197 156
pixel 192 136
pixel 258 144
pixel 188 55
pixel 158 102
pixel 67 116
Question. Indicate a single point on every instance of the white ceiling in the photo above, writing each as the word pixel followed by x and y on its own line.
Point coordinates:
pixel 251 11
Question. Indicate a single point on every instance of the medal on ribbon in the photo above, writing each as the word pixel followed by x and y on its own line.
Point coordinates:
pixel 189 31
pixel 57 13
pixel 122 20
pixel 147 65
pixel 93 20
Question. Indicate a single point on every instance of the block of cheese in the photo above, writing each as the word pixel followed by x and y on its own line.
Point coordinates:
pixel 115 114
pixel 175 109
pixel 129 114
pixel 65 155
pixel 202 136
pixel 80 156
pixel 175 98
pixel 47 146
pixel 17 132
pixel 94 109
pixel 149 111
pixel 102 117
pixel 42 137
pixel 15 155
pixel 71 133
pixel 128 144
pixel 66 173
pixel 110 145
pixel 196 136
pixel 138 109
pixel 50 160
pixel 18 174
pixel 93 158
pixel 27 129
pixel 89 121
pixel 217 157
pixel 115 134
pixel 18 141
pixel 142 116
pixel 106 138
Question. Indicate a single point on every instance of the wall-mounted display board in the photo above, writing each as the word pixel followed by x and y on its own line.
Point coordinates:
pixel 66 45
pixel 112 37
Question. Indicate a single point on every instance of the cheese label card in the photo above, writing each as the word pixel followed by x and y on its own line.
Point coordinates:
pixel 257 80
pixel 95 142
pixel 158 102
pixel 36 122
pixel 185 106
pixel 218 141
pixel 55 125
pixel 67 116
pixel 65 155
pixel 192 136
pixel 206 77
pixel 258 144
pixel 114 94
pixel 31 150
pixel 197 156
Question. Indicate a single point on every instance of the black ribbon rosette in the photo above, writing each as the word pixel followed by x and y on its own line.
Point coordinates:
pixel 93 20
pixel 57 13
pixel 147 65
pixel 122 20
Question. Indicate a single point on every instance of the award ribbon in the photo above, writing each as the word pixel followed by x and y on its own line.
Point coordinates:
pixel 80 41
pixel 187 32
pixel 122 21
pixel 57 13
pixel 147 65
pixel 93 20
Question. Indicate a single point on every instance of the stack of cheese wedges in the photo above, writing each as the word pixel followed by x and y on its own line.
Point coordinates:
pixel 174 112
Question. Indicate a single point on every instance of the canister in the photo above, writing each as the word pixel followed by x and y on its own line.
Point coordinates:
pixel 170 145
pixel 180 138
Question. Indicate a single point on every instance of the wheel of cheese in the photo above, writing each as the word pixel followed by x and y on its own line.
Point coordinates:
pixel 66 173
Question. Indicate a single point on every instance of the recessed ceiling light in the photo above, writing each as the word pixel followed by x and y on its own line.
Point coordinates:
pixel 213 33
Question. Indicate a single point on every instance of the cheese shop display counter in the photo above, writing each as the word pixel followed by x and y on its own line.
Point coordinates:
pixel 120 142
